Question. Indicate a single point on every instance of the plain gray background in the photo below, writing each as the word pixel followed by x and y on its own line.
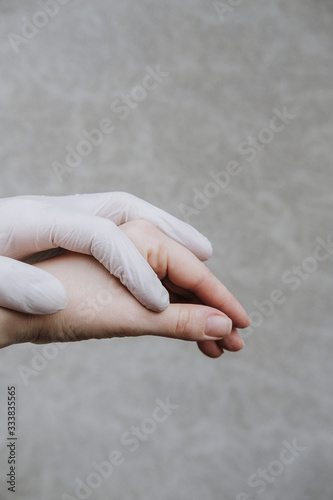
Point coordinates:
pixel 229 67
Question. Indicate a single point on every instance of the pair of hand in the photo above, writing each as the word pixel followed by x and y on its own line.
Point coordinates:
pixel 99 306
pixel 85 224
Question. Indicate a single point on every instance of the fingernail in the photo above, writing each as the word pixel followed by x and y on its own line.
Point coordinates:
pixel 218 327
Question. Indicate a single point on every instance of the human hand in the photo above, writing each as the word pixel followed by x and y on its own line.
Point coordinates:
pixel 100 307
pixel 87 224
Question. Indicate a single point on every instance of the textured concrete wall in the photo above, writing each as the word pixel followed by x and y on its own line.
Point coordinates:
pixel 251 425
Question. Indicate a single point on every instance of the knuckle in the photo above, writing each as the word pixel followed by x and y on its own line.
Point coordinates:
pixel 184 324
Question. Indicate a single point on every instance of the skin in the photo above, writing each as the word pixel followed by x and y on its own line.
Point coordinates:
pixel 100 306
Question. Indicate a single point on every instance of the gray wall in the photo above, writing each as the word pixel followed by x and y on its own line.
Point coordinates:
pixel 231 67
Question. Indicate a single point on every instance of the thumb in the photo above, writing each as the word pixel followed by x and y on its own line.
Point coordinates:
pixel 191 322
pixel 29 289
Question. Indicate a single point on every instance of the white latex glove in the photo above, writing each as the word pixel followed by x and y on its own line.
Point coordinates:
pixel 88 224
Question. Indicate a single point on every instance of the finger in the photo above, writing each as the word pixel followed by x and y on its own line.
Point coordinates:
pixel 28 289
pixel 210 348
pixel 232 342
pixel 189 322
pixel 123 207
pixel 184 270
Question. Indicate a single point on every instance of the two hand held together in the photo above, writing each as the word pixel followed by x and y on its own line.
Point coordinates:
pixel 117 247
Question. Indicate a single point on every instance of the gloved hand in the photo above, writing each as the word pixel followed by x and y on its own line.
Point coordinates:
pixel 88 224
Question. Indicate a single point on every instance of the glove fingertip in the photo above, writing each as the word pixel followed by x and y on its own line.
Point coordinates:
pixel 164 301
pixel 208 249
pixel 154 298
